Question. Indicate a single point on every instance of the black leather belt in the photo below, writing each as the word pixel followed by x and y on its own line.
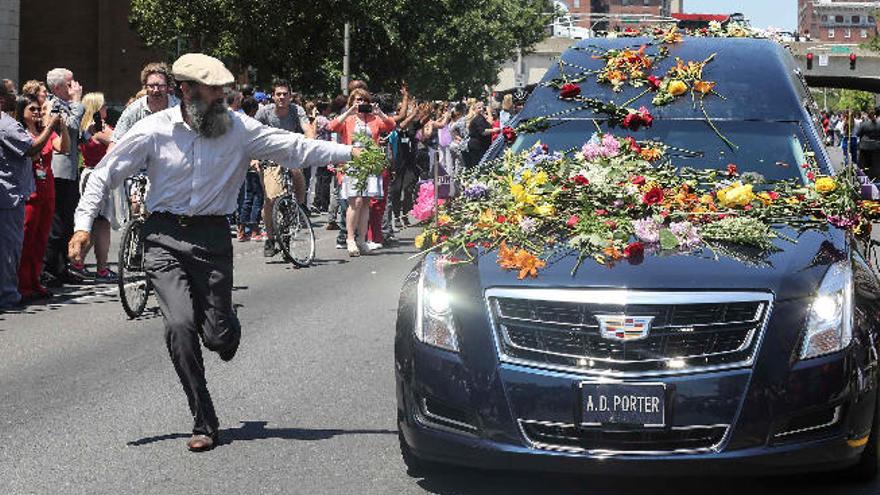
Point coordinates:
pixel 184 220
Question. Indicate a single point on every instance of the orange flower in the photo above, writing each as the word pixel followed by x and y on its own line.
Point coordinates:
pixel 616 77
pixel 519 259
pixel 704 87
pixel 612 252
pixel 651 154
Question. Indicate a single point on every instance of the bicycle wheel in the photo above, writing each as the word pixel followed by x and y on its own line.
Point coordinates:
pixel 293 232
pixel 134 287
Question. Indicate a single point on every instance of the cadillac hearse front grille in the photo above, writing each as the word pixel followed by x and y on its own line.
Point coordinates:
pixel 568 437
pixel 656 332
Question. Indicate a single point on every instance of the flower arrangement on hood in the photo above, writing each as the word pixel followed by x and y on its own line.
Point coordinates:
pixel 610 204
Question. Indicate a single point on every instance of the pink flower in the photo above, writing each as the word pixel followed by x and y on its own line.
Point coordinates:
pixel 569 90
pixel 572 221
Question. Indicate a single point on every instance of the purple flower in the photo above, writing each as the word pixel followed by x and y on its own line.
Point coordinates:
pixel 596 148
pixel 647 230
pixel 843 222
pixel 476 191
pixel 686 233
pixel 528 225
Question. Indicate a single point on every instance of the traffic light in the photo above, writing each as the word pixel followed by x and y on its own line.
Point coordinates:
pixel 810 61
pixel 852 61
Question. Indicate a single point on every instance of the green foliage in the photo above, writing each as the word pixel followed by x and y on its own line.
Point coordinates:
pixel 442 48
pixel 851 99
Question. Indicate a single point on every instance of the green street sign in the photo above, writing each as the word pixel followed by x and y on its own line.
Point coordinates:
pixel 629 21
pixel 840 49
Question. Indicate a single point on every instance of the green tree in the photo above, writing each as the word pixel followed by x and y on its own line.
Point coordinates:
pixel 851 99
pixel 442 48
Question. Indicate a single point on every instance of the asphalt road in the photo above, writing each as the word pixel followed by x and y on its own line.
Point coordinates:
pixel 89 402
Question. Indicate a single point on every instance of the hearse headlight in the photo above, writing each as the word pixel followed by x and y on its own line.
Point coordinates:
pixel 434 324
pixel 829 322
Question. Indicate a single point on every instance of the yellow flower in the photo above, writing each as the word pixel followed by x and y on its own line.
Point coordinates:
pixel 443 219
pixel 765 198
pixel 540 178
pixel 736 194
pixel 420 240
pixel 792 200
pixel 825 185
pixel 521 195
pixel 677 87
pixel 545 210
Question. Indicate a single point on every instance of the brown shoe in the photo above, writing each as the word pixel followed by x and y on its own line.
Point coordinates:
pixel 201 443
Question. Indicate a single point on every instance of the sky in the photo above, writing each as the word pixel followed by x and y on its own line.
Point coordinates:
pixel 781 14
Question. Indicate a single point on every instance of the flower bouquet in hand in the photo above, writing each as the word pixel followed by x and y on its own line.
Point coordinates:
pixel 371 162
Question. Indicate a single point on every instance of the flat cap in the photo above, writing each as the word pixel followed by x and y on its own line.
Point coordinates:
pixel 202 69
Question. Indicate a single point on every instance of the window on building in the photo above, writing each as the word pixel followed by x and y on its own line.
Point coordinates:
pixel 864 33
pixel 856 19
pixel 870 19
pixel 577 4
pixel 838 19
pixel 847 33
pixel 831 34
pixel 647 3
pixel 824 18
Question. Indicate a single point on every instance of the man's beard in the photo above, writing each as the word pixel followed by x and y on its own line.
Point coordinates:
pixel 209 119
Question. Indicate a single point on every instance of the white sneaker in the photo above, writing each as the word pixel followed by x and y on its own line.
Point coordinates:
pixel 372 246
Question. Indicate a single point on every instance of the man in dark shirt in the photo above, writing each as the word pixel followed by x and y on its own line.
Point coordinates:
pixel 291 117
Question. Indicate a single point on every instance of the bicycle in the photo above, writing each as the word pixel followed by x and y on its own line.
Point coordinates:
pixel 294 234
pixel 134 286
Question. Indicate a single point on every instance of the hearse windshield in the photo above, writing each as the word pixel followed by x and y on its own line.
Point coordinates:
pixel 773 149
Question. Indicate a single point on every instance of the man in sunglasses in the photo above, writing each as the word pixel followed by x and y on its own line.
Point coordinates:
pixel 196 156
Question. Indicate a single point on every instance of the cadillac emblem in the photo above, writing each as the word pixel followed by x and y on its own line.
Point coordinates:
pixel 625 328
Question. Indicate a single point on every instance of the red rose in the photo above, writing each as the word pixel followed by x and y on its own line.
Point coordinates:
pixel 631 122
pixel 580 180
pixel 653 197
pixel 545 148
pixel 654 82
pixel 731 169
pixel 444 238
pixel 638 180
pixel 471 245
pixel 509 134
pixel 811 176
pixel 572 221
pixel 569 90
pixel 647 118
pixel 634 250
pixel 633 145
pixel 773 195
pixel 611 224
pixel 601 213
pixel 500 219
pixel 805 165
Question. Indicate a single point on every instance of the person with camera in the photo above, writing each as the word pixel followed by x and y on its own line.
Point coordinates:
pixel 361 118
pixel 196 156
pixel 40 205
pixel 64 98
pixel 96 137
pixel 17 183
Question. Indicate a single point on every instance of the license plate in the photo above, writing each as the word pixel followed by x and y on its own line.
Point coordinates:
pixel 623 404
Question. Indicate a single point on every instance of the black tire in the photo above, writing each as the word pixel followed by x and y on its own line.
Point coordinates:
pixel 134 287
pixel 294 234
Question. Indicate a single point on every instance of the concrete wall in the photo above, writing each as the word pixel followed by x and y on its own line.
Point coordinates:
pixel 9 35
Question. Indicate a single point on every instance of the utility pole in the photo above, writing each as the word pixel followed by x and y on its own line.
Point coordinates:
pixel 346 69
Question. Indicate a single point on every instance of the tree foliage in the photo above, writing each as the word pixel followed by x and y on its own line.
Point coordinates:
pixel 851 99
pixel 442 48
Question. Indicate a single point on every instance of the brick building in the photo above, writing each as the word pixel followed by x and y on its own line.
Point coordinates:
pixel 838 20
pixel 582 9
pixel 90 37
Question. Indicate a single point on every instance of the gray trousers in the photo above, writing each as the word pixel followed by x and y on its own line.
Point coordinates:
pixel 190 268
pixel 11 239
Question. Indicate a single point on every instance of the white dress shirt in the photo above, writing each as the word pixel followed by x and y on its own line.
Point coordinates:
pixel 194 175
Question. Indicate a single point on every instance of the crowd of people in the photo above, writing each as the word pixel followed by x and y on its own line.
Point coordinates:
pixel 62 133
pixel 858 135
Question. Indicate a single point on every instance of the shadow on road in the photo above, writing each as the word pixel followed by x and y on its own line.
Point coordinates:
pixel 256 430
pixel 459 481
